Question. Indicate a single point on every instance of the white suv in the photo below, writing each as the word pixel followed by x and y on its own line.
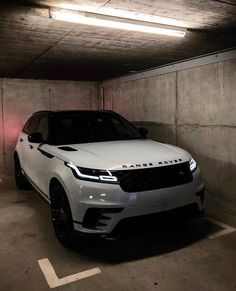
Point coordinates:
pixel 96 169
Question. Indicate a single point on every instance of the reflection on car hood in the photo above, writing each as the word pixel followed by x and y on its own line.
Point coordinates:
pixel 115 155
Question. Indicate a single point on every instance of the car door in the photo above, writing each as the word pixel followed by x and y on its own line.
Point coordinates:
pixel 21 145
pixel 41 158
pixel 27 147
pixel 39 162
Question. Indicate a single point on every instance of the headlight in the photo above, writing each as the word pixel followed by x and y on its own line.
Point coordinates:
pixel 87 174
pixel 192 165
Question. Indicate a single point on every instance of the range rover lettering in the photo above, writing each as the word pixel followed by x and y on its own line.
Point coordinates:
pixel 95 169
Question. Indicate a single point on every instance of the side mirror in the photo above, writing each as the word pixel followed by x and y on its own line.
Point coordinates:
pixel 143 131
pixel 35 137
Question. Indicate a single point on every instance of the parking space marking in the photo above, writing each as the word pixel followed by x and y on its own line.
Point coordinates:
pixel 52 279
pixel 226 228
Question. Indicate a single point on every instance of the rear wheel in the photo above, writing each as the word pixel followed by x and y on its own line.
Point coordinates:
pixel 61 215
pixel 21 181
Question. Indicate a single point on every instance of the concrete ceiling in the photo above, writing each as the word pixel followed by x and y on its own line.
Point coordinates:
pixel 34 46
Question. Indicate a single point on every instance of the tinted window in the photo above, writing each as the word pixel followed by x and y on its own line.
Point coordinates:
pixel 84 127
pixel 43 127
pixel 33 125
pixel 26 126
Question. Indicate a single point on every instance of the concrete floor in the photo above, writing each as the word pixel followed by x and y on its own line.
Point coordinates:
pixel 170 255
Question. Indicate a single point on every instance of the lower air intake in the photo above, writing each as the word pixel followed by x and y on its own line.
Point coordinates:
pixel 96 218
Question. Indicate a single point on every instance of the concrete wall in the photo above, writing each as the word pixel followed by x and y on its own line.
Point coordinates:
pixel 194 108
pixel 149 102
pixel 20 98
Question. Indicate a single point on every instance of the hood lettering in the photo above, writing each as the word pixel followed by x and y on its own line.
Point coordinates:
pixel 151 164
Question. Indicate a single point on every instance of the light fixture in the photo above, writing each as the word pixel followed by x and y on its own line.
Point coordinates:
pixel 136 15
pixel 102 20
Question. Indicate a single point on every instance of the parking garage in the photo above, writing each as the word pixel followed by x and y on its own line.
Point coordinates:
pixel 166 66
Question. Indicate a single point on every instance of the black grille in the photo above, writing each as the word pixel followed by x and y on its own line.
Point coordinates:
pixel 154 178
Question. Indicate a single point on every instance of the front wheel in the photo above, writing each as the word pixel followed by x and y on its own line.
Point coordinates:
pixel 61 216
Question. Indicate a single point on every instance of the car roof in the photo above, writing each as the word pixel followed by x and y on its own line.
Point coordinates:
pixel 71 111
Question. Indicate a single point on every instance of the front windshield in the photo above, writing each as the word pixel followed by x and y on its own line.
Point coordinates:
pixel 86 127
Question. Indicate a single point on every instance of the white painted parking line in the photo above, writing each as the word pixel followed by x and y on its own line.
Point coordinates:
pixel 52 279
pixel 226 228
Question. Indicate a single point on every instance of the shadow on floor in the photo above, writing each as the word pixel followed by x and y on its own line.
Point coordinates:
pixel 137 238
pixel 146 237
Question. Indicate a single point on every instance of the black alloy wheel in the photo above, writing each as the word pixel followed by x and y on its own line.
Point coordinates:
pixel 61 216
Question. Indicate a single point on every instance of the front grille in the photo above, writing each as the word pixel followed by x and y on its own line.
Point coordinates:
pixel 154 178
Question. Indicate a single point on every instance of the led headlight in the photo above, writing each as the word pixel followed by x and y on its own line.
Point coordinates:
pixel 104 176
pixel 192 165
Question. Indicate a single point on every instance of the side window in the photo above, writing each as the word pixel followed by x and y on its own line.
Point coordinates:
pixel 34 124
pixel 26 126
pixel 31 125
pixel 43 127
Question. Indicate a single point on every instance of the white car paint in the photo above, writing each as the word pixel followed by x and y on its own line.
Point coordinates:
pixel 110 155
pixel 113 154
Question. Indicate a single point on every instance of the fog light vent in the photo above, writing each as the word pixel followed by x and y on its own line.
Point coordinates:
pixel 96 217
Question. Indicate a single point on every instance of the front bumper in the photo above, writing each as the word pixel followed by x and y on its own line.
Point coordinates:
pixel 98 207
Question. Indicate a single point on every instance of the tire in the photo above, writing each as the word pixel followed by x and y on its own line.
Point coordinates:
pixel 61 216
pixel 21 181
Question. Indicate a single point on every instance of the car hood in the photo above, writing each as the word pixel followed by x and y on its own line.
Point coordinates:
pixel 116 155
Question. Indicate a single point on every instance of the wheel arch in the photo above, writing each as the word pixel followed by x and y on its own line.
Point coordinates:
pixel 58 181
pixel 55 182
pixel 65 236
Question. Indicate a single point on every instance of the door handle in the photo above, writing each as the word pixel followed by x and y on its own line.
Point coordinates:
pixel 31 147
pixel 21 140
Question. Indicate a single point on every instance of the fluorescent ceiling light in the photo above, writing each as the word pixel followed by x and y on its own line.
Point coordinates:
pixel 123 13
pixel 101 20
